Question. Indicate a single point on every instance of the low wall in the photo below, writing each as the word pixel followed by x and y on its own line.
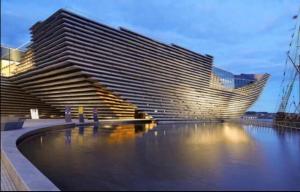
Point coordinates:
pixel 13 175
pixel 24 175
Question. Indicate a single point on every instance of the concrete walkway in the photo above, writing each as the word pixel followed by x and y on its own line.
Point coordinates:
pixel 7 183
pixel 8 180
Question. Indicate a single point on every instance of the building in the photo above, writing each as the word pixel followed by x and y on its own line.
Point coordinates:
pixel 10 58
pixel 258 115
pixel 74 61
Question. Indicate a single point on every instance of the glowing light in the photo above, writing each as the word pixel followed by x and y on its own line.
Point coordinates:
pixel 235 135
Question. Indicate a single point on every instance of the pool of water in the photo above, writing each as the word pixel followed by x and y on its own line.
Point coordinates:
pixel 225 156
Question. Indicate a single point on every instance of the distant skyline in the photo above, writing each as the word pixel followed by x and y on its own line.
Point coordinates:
pixel 243 36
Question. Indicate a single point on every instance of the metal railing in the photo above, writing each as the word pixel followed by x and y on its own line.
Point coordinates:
pixel 271 123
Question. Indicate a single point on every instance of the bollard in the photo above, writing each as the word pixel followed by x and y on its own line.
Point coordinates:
pixel 80 113
pixel 95 115
pixel 68 117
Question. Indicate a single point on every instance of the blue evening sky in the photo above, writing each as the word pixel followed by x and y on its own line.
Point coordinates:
pixel 243 36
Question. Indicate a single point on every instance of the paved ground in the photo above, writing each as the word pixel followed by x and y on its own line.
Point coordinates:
pixel 6 181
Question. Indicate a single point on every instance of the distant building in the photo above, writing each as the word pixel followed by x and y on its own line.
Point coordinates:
pixel 258 115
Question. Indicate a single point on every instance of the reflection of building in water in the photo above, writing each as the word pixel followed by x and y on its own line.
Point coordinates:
pixel 68 136
pixel 95 129
pixel 235 134
pixel 221 133
pixel 208 145
pixel 119 133
pixel 113 133
pixel 200 146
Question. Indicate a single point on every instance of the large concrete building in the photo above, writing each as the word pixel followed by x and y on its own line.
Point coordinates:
pixel 74 61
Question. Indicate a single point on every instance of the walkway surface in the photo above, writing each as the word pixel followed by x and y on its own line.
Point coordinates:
pixel 6 182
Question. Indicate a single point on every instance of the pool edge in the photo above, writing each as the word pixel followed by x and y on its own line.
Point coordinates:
pixel 23 174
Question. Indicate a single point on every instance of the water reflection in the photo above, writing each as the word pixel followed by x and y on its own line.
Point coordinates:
pixel 168 156
pixel 68 136
pixel 81 129
pixel 221 133
pixel 95 129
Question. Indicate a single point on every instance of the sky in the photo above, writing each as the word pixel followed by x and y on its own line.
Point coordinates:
pixel 244 36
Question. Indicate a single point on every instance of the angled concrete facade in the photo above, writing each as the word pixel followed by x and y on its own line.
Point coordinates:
pixel 74 61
